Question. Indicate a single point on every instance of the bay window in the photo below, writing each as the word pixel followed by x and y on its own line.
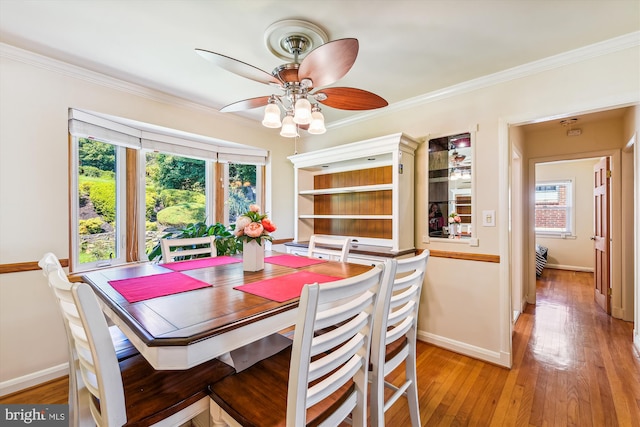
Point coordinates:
pixel 130 186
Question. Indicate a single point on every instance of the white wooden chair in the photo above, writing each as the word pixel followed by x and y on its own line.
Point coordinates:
pixel 334 248
pixel 78 394
pixel 394 339
pixel 172 248
pixel 130 392
pixel 321 379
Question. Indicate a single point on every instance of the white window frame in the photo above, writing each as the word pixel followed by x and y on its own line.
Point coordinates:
pixel 225 187
pixel 209 193
pixel 569 231
pixel 121 217
pixel 126 133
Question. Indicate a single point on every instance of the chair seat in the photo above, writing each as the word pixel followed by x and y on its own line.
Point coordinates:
pixel 263 389
pixel 152 395
pixel 393 349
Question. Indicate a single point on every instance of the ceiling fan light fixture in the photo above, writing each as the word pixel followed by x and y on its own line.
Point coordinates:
pixel 312 62
pixel 302 114
pixel 317 122
pixel 272 116
pixel 289 128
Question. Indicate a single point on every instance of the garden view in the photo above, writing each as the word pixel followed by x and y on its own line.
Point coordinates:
pixel 175 199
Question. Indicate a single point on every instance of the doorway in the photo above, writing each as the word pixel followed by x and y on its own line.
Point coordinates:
pixel 546 142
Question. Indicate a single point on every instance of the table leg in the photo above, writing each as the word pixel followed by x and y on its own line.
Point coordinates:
pixel 226 358
pixel 216 415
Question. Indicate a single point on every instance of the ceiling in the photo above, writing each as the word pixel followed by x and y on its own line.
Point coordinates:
pixel 408 48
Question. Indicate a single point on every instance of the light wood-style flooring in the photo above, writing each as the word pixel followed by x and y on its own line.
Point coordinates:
pixel 573 365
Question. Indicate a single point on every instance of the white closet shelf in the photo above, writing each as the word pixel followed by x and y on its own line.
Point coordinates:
pixel 345 216
pixel 342 190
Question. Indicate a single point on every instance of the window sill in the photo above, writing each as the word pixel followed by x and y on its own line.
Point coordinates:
pixel 464 240
pixel 564 236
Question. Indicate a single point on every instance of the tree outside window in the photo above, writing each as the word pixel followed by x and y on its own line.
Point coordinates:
pixel 97 202
pixel 241 190
pixel 175 194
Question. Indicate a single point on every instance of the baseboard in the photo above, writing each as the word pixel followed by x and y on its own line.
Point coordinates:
pixel 496 357
pixel 636 339
pixel 569 267
pixel 617 312
pixel 33 379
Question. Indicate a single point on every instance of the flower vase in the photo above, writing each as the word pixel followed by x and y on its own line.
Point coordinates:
pixel 451 230
pixel 252 256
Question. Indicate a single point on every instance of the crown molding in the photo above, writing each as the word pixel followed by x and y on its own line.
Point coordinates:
pixel 595 50
pixel 616 44
pixel 64 68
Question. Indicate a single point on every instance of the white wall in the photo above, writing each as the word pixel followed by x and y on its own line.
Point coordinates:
pixel 35 95
pixel 575 253
pixel 466 304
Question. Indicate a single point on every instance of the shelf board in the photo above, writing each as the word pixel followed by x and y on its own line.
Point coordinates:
pixel 342 190
pixel 345 216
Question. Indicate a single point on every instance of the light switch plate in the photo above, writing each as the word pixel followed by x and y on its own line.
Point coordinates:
pixel 488 218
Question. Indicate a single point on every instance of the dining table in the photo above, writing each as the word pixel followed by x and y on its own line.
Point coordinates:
pixel 183 313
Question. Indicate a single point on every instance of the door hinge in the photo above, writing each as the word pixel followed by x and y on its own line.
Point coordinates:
pixel 609 291
pixel 609 173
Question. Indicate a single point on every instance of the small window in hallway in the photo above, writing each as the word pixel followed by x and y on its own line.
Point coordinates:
pixel 553 206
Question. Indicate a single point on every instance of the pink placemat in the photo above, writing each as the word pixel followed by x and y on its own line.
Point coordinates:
pixel 293 261
pixel 193 264
pixel 158 285
pixel 284 288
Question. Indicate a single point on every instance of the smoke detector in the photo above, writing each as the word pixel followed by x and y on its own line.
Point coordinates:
pixel 570 123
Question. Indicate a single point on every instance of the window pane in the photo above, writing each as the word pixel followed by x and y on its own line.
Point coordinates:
pixel 553 204
pixel 242 189
pixel 97 201
pixel 174 194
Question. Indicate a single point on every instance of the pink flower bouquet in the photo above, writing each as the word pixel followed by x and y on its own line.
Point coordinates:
pixel 254 226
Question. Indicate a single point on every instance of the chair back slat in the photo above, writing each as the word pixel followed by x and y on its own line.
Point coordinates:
pixel 90 336
pixel 77 391
pixel 338 359
pixel 396 318
pixel 103 363
pixel 188 247
pixel 329 247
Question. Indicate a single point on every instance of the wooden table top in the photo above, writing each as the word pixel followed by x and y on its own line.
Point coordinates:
pixel 190 317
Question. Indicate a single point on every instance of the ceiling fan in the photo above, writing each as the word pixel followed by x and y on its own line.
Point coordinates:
pixel 303 83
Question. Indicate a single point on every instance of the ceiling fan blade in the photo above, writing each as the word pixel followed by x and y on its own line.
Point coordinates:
pixel 240 68
pixel 329 62
pixel 348 98
pixel 246 104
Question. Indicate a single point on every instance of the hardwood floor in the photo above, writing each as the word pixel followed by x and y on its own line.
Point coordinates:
pixel 572 366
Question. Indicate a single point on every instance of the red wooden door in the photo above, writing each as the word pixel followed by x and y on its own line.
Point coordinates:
pixel 602 176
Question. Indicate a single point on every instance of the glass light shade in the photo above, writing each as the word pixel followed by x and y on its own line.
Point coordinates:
pixel 303 112
pixel 289 128
pixel 272 116
pixel 317 124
